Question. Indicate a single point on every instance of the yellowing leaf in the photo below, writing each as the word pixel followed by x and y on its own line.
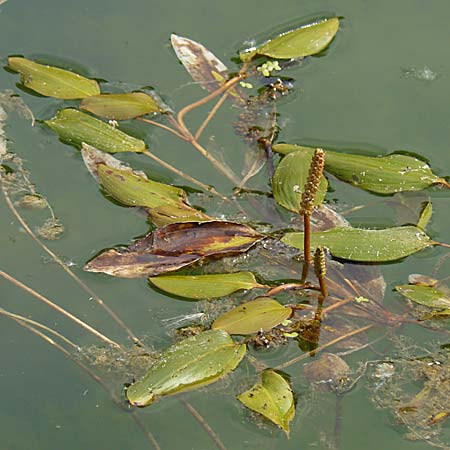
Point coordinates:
pixel 271 398
pixel 53 81
pixel 75 127
pixel 263 313
pixel 189 364
pixel 305 41
pixel 121 106
pixel 363 245
pixel 205 286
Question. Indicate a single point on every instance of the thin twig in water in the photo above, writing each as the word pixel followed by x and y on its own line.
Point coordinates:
pixel 90 372
pixel 184 175
pixel 39 325
pixel 61 310
pixel 66 269
pixel 210 115
pixel 323 347
pixel 200 419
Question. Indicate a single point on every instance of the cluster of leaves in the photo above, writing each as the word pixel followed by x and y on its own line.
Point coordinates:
pixel 184 235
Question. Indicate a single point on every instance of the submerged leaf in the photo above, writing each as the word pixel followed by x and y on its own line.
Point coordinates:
pixel 363 245
pixel 121 106
pixel 263 313
pixel 305 41
pixel 206 286
pixel 203 66
pixel 290 178
pixel 75 127
pixel 425 295
pixel 192 363
pixel 174 246
pixel 425 216
pixel 383 175
pixel 53 81
pixel 271 398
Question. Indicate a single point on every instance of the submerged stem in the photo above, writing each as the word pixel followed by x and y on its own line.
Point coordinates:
pixel 200 419
pixel 61 310
pixel 210 115
pixel 164 127
pixel 66 269
pixel 184 175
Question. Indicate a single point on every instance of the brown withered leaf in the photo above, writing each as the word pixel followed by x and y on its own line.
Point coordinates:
pixel 173 247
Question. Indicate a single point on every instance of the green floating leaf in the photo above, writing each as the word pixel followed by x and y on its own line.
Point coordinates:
pixel 305 41
pixel 425 295
pixel 206 286
pixel 189 364
pixel 289 180
pixel 53 81
pixel 363 245
pixel 121 106
pixel 263 313
pixel 272 398
pixel 425 216
pixel 383 175
pixel 76 127
pixel 166 204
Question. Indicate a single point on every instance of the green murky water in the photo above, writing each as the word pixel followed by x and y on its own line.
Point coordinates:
pixel 384 85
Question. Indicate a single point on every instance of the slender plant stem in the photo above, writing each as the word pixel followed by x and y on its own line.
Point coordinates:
pixel 66 269
pixel 444 182
pixel 211 114
pixel 161 125
pixel 148 434
pixel 229 84
pixel 61 310
pixel 287 287
pixel 200 419
pixel 339 414
pixel 442 244
pixel 323 287
pixel 90 372
pixel 324 346
pixel 39 325
pixel 184 175
pixel 306 246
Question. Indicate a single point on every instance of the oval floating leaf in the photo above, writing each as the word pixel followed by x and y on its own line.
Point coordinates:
pixel 189 364
pixel 53 81
pixel 425 295
pixel 383 175
pixel 75 127
pixel 206 286
pixel 121 106
pixel 363 245
pixel 305 41
pixel 290 178
pixel 272 398
pixel 263 313
pixel 174 246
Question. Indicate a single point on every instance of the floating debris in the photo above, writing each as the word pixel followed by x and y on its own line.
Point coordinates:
pixel 421 74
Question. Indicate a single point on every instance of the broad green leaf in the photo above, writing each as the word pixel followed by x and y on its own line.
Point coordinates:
pixel 121 106
pixel 176 213
pixel 425 216
pixel 305 41
pixel 363 245
pixel 189 364
pixel 263 313
pixel 289 180
pixel 271 398
pixel 52 81
pixel 383 175
pixel 206 286
pixel 425 295
pixel 133 190
pixel 76 127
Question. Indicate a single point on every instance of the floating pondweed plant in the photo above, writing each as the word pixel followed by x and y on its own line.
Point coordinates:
pixel 258 299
